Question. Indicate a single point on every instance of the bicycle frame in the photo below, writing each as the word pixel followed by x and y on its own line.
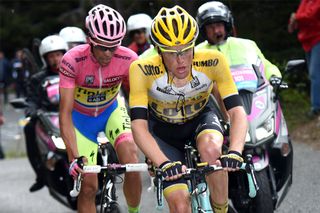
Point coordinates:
pixel 200 196
pixel 198 189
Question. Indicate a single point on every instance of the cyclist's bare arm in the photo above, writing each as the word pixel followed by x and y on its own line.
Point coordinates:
pixel 146 142
pixel 66 125
pixel 238 128
pixel 217 96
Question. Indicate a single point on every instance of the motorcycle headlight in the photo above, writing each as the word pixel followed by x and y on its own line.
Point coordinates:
pixel 266 129
pixel 58 142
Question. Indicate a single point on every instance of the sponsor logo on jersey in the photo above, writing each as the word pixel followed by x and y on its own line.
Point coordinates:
pixel 122 57
pixel 169 112
pixel 89 79
pixel 66 73
pixel 67 64
pixel 150 69
pixel 112 80
pixel 195 82
pixel 89 97
pixel 206 63
pixel 80 59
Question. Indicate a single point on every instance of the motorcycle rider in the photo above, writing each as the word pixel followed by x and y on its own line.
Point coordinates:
pixel 73 36
pixel 51 51
pixel 139 30
pixel 215 21
pixel 216 25
pixel 90 79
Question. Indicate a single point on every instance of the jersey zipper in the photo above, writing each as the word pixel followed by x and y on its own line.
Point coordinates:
pixel 100 86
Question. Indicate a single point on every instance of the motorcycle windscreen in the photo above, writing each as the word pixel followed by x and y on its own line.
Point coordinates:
pixel 52 88
pixel 244 77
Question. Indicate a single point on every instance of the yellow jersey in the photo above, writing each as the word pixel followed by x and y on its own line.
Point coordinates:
pixel 152 89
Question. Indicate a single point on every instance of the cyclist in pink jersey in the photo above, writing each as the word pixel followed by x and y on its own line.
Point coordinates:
pixel 90 79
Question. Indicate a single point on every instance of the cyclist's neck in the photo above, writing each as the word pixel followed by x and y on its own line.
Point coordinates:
pixel 180 82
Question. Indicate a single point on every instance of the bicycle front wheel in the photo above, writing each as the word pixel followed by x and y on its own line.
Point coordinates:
pixel 108 202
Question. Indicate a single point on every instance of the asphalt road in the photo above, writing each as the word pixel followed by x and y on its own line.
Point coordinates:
pixel 16 176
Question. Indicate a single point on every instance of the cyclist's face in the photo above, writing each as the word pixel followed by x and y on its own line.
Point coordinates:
pixel 215 32
pixel 178 59
pixel 102 53
pixel 53 59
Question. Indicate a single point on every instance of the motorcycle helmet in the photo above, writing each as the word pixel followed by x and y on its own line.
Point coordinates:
pixel 139 21
pixel 73 35
pixel 213 12
pixel 173 26
pixel 106 25
pixel 50 44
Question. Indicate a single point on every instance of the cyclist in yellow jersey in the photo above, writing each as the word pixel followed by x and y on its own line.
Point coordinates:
pixel 169 95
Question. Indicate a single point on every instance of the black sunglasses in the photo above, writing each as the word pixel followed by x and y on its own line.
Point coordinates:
pixel 104 49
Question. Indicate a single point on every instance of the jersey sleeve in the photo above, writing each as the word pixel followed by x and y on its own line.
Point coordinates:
pixel 138 98
pixel 270 69
pixel 67 71
pixel 225 83
pixel 125 81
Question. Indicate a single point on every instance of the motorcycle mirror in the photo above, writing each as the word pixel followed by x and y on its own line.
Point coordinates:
pixel 294 65
pixel 19 103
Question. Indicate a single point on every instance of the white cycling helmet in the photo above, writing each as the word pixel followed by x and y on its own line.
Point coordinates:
pixel 139 21
pixel 50 44
pixel 73 35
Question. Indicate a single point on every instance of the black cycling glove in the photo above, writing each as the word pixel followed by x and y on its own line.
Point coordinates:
pixel 232 160
pixel 171 168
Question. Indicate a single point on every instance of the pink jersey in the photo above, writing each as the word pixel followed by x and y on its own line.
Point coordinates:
pixel 96 87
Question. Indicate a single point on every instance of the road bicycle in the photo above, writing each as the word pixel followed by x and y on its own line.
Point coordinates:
pixel 110 169
pixel 196 179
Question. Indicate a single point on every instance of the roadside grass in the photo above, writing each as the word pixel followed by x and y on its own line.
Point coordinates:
pixel 295 106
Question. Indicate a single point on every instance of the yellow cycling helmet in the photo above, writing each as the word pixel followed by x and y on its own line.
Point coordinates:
pixel 173 26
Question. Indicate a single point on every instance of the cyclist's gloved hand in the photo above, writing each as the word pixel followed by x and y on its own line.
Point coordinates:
pixel 231 160
pixel 171 169
pixel 76 165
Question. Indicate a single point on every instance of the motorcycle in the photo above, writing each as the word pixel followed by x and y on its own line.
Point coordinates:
pixel 267 140
pixel 52 150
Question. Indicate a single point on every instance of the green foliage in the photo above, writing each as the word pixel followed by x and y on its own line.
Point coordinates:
pixel 295 106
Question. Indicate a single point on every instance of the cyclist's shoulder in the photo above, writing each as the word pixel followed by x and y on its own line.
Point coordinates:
pixel 124 54
pixel 204 45
pixel 241 41
pixel 153 60
pixel 206 54
pixel 80 53
pixel 152 51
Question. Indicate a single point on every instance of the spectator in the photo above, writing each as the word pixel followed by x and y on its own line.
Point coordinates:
pixel 307 21
pixel 4 75
pixel 19 74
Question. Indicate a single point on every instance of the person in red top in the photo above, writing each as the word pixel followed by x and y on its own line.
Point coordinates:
pixel 307 21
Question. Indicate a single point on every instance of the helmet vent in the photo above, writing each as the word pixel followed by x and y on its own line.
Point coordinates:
pixel 187 31
pixel 101 14
pixel 96 24
pixel 110 17
pixel 175 27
